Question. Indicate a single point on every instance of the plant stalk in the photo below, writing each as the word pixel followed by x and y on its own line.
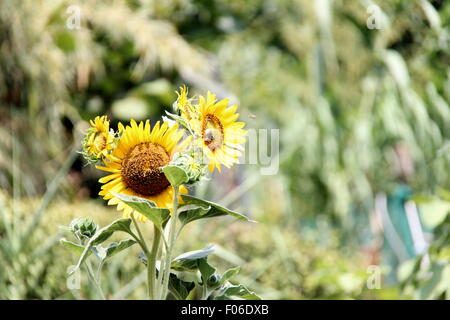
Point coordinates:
pixel 172 232
pixel 151 261
pixel 150 278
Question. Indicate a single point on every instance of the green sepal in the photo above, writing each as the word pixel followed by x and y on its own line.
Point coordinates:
pixel 181 121
pixel 176 175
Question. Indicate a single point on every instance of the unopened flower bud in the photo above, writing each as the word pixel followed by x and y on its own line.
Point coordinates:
pixel 83 228
pixel 191 163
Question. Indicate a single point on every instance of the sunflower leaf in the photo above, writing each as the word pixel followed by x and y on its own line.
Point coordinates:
pixel 147 208
pixel 179 288
pixel 188 261
pixel 180 120
pixel 239 291
pixel 206 269
pixel 215 210
pixel 176 175
pixel 116 247
pixel 192 212
pixel 102 235
pixel 229 274
pixel 77 248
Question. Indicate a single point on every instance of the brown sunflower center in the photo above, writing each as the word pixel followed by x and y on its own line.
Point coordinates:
pixel 141 169
pixel 212 132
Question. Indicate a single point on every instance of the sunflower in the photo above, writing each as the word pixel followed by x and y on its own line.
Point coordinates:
pixel 220 136
pixel 135 165
pixel 99 140
pixel 184 104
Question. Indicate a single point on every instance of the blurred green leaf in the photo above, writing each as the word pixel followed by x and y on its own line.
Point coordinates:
pixel 130 108
pixel 434 212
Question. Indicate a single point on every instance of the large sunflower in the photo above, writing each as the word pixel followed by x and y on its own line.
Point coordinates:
pixel 220 136
pixel 135 165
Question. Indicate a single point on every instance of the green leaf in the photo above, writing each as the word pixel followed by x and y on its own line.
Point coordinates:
pixel 176 175
pixel 102 235
pixel 180 120
pixel 189 261
pixel 191 212
pixel 434 287
pixel 116 247
pixel 147 208
pixel 421 198
pixel 435 212
pixel 239 291
pixel 229 274
pixel 215 210
pixel 443 194
pixel 77 248
pixel 205 269
pixel 179 288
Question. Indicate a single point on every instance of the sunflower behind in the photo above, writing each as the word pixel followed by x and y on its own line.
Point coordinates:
pixel 220 136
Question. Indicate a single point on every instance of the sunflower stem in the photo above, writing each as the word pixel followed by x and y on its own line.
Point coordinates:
pixel 172 232
pixel 150 278
pixel 153 283
pixel 94 280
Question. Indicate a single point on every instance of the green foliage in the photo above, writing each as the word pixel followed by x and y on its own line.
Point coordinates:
pixel 211 285
pixel 176 175
pixel 147 208
pixel 204 209
pixel 101 236
pixel 428 276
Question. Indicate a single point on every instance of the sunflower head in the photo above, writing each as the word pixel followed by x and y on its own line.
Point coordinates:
pixel 135 165
pixel 98 141
pixel 184 106
pixel 83 228
pixel 219 135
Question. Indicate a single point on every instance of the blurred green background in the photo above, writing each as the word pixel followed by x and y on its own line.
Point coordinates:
pixel 363 116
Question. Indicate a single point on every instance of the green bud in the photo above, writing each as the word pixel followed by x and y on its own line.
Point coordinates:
pixel 213 280
pixel 190 162
pixel 83 228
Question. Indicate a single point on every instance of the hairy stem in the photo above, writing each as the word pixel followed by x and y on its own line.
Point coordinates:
pixel 150 278
pixel 153 283
pixel 172 232
pixel 94 280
